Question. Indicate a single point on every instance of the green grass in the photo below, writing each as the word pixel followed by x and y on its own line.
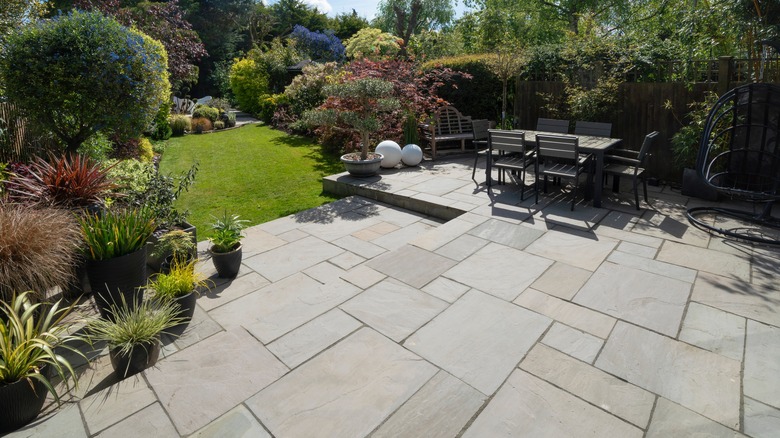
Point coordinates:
pixel 254 171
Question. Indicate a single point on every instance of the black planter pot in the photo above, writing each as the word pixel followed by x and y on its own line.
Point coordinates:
pixel 141 357
pixel 118 277
pixel 693 185
pixel 186 305
pixel 227 263
pixel 20 403
pixel 80 284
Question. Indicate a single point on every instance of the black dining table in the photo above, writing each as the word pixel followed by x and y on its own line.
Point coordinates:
pixel 596 146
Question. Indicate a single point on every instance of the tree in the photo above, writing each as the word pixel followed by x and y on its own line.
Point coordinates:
pixel 507 63
pixel 14 13
pixel 345 25
pixel 81 73
pixel 408 17
pixel 318 46
pixel 288 13
pixel 373 44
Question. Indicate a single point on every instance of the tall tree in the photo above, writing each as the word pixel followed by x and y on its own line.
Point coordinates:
pixel 347 24
pixel 14 13
pixel 405 18
pixel 288 13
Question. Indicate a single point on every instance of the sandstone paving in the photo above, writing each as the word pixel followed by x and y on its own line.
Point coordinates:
pixel 461 247
pixel 762 363
pixel 714 330
pixel 647 299
pixel 761 421
pixel 325 272
pixel 670 419
pixel 671 225
pixel 751 301
pixel 363 277
pixel 115 403
pixel 636 249
pixel 704 382
pixel 493 336
pixel 225 292
pixel 573 342
pixel 601 389
pixel 66 422
pixel 562 280
pixel 442 235
pixel 291 258
pixel 707 260
pixel 414 266
pixel 148 422
pixel 445 289
pixel 528 406
pixel 401 236
pixel 236 423
pixel 584 250
pixel 582 318
pixel 201 376
pixel 346 391
pixel 360 247
pixel 653 266
pixel 506 233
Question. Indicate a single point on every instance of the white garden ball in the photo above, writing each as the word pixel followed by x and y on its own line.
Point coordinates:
pixel 391 153
pixel 411 155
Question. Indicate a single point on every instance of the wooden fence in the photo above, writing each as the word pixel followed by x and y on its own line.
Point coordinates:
pixel 18 142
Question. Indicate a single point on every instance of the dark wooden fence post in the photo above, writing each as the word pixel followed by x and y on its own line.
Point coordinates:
pixel 725 70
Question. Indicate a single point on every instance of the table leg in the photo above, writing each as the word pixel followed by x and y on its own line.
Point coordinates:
pixel 599 181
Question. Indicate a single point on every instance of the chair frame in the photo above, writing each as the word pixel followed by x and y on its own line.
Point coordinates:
pixel 512 155
pixel 563 161
pixel 595 129
pixel 634 165
pixel 479 129
pixel 552 125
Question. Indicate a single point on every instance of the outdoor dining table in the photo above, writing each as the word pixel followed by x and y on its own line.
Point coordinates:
pixel 595 146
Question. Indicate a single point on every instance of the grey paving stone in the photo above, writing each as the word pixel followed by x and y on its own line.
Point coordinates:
pixel 647 252
pixel 257 241
pixel 562 280
pixel 438 186
pixel 440 409
pixel 714 330
pixel 283 306
pixel 568 313
pixel 375 231
pixel 576 248
pixel 236 423
pixel 65 422
pixel 462 247
pixel 647 299
pixel 115 403
pixel 363 277
pixel 325 272
pixel 734 296
pixel 149 422
pixel 347 260
pixel 393 308
pixel 446 289
pixel 670 224
pixel 609 393
pixel 403 236
pixel 412 265
pixel 762 363
pixel 306 341
pixel 487 345
pixel 499 270
pixel 291 258
pixel 761 421
pixel 573 342
pixel 201 327
pixel 330 226
pixel 293 235
pixel 442 234
pixel 653 266
pixel 201 376
pixel 704 382
pixel 583 217
pixel 230 290
pixel 702 259
pixel 347 390
pixel 505 233
pixel 360 247
pixel 671 419
pixel 528 406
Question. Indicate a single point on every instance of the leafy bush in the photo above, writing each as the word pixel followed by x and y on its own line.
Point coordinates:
pixel 126 148
pixel 98 147
pixel 207 112
pixel 81 73
pixel 318 46
pixel 231 120
pixel 179 125
pixel 219 124
pixel 248 81
pixel 223 105
pixel 145 150
pixel 201 125
pixel 116 232
pixel 160 194
pixel 130 176
pixel 178 243
pixel 305 91
pixel 161 130
pixel 69 181
pixel 373 44
pixel 685 142
pixel 38 247
pixel 477 94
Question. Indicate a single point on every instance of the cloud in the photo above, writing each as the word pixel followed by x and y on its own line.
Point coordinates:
pixel 323 5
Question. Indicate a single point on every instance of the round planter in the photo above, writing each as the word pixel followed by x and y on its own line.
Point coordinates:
pixel 141 357
pixel 80 284
pixel 20 403
pixel 362 168
pixel 186 305
pixel 120 276
pixel 227 263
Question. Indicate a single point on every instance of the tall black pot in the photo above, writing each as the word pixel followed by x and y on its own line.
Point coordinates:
pixel 118 277
pixel 21 402
pixel 140 357
pixel 186 305
pixel 227 263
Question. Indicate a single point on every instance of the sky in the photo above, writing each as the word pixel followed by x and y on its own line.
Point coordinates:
pixel 365 8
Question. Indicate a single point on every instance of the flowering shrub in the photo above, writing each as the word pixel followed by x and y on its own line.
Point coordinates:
pixel 319 46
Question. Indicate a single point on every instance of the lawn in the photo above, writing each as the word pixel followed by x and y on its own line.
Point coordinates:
pixel 254 171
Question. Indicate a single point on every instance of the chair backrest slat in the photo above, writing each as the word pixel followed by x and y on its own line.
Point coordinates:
pixel 557 146
pixel 646 145
pixel 552 125
pixel 596 129
pixel 480 129
pixel 509 141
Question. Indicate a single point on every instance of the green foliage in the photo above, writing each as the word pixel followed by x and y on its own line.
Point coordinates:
pixel 268 105
pixel 248 81
pixel 98 147
pixel 131 176
pixel 131 326
pixel 161 130
pixel 685 142
pixel 200 125
pixel 205 111
pixel 306 90
pixel 29 335
pixel 432 44
pixel 223 105
pixel 116 232
pixel 179 125
pixel 411 131
pixel 274 60
pixel 177 243
pixel 82 73
pixel 226 233
pixel 478 97
pixel 347 24
pixel 219 124
pixel 160 193
pixel 372 43
pixel 146 152
pixel 179 281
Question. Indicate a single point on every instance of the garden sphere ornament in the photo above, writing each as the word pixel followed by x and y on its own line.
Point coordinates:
pixel 391 153
pixel 411 155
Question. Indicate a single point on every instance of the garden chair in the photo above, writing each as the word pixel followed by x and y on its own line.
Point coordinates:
pixel 628 163
pixel 512 154
pixel 480 142
pixel 552 125
pixel 558 156
pixel 595 129
pixel 739 156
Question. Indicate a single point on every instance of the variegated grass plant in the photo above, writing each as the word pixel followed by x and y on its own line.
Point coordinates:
pixel 179 281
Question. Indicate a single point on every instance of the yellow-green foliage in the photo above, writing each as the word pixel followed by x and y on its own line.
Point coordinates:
pixel 457 62
pixel 373 44
pixel 248 81
pixel 145 151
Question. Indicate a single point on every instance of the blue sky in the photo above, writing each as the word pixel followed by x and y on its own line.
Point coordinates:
pixel 365 8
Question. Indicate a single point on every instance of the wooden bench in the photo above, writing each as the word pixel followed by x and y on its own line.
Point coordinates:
pixel 447 125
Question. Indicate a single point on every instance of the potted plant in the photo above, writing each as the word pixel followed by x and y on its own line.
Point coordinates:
pixel 116 255
pixel 356 103
pixel 226 245
pixel 29 334
pixel 179 285
pixel 175 245
pixel 133 333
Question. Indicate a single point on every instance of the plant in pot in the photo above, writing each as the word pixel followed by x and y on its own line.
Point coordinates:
pixel 226 245
pixel 116 254
pixel 29 335
pixel 356 103
pixel 132 333
pixel 175 246
pixel 179 285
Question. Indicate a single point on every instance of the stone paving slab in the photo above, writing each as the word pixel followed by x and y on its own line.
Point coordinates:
pixel 671 419
pixel 150 421
pixel 414 266
pixel 761 421
pixel 236 423
pixel 116 403
pixel 346 391
pixel 714 330
pixel 573 342
pixel 762 363
pixel 734 296
pixel 66 422
pixel 284 261
pixel 568 313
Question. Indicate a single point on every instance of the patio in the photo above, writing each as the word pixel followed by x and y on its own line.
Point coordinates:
pixel 423 306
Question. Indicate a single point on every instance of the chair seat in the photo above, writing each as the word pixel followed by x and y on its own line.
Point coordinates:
pixel 558 169
pixel 622 170
pixel 514 161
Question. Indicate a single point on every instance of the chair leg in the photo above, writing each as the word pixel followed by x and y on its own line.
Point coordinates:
pixel 474 169
pixel 644 186
pixel 522 185
pixel 636 194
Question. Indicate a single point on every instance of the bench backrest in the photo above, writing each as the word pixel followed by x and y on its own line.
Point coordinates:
pixel 448 120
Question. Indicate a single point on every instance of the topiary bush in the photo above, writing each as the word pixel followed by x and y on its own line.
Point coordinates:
pixel 248 81
pixel 161 130
pixel 145 150
pixel 219 124
pixel 179 125
pixel 80 73
pixel 206 111
pixel 201 124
